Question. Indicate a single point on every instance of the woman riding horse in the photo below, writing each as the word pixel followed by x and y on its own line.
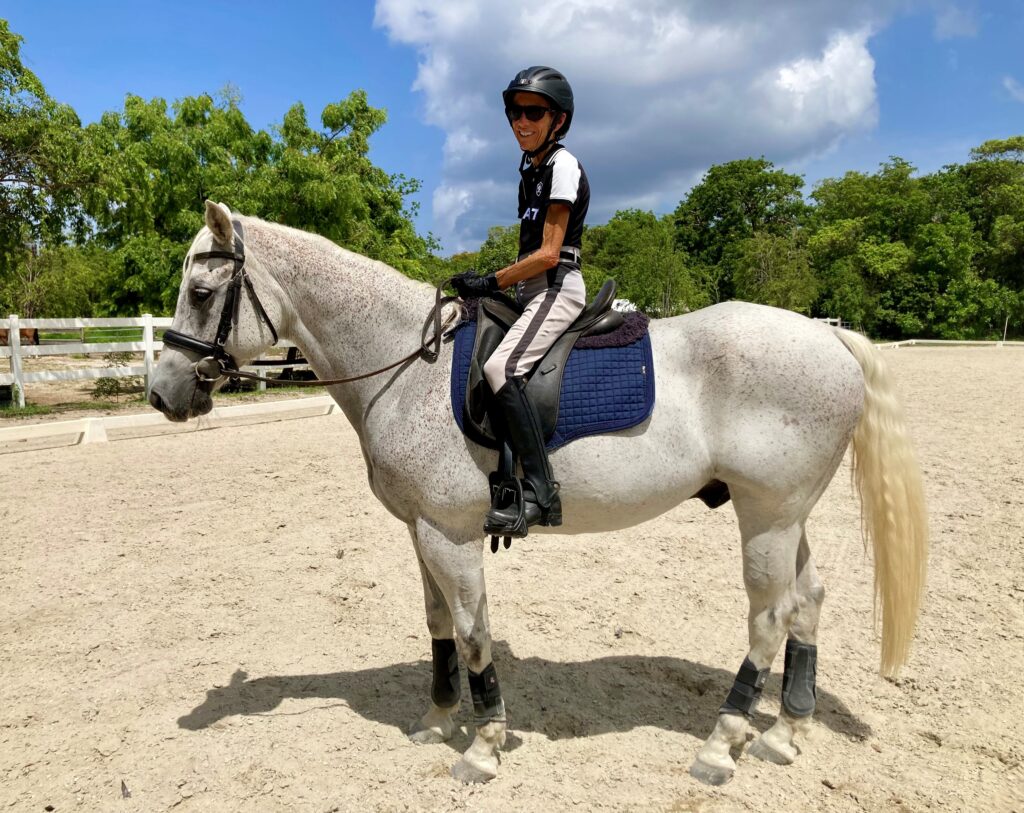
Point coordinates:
pixel 554 196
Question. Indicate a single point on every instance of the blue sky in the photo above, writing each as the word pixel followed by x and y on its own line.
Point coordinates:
pixel 664 87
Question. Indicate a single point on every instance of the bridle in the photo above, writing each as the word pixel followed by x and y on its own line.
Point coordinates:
pixel 216 362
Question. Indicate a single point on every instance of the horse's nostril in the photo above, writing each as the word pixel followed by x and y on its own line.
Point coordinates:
pixel 156 401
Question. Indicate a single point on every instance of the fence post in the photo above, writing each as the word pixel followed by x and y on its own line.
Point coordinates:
pixel 147 338
pixel 14 342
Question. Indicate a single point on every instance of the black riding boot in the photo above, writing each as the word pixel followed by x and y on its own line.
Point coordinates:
pixel 541 503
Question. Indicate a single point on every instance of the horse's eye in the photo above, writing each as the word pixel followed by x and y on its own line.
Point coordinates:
pixel 200 295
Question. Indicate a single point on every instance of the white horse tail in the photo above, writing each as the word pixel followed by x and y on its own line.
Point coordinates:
pixel 893 513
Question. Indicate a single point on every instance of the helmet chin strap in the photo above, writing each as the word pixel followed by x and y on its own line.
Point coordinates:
pixel 529 155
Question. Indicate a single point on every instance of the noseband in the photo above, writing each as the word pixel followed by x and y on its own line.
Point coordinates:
pixel 216 361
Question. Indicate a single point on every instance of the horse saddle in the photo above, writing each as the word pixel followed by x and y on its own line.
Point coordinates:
pixel 495 316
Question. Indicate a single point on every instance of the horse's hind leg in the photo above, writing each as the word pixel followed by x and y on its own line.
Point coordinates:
pixel 438 724
pixel 798 687
pixel 770 544
pixel 456 567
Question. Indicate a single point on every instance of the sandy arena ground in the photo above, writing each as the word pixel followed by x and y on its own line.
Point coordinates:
pixel 226 620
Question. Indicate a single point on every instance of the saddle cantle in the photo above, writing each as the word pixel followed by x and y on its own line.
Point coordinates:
pixel 608 389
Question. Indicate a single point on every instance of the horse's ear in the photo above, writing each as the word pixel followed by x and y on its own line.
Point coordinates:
pixel 218 221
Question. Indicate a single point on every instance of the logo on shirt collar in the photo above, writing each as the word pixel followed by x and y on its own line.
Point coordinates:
pixel 540 188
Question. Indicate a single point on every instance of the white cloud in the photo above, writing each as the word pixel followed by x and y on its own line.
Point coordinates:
pixel 1014 88
pixel 953 21
pixel 664 88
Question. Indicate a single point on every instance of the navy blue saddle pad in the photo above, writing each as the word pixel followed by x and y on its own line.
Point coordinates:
pixel 604 389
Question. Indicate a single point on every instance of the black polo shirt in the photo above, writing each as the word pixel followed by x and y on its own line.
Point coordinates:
pixel 559 179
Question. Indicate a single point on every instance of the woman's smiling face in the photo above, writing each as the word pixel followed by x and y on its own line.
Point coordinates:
pixel 532 134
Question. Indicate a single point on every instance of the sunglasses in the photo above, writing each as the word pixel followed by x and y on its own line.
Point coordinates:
pixel 533 112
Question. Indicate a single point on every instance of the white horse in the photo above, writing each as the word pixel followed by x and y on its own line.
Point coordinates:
pixel 763 400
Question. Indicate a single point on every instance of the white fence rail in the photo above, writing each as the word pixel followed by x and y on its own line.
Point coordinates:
pixel 149 347
pixel 949 343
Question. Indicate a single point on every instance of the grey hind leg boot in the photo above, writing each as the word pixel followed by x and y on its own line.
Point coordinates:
pixel 541 503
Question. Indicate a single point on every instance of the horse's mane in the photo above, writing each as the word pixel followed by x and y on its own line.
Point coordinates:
pixel 348 257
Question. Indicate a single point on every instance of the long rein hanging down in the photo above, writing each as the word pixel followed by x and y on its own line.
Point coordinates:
pixel 217 363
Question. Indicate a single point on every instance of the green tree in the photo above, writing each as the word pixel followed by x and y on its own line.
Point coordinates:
pixel 638 249
pixel 891 203
pixel 159 165
pixel 734 201
pixel 500 249
pixel 937 255
pixel 41 171
pixel 63 281
pixel 773 270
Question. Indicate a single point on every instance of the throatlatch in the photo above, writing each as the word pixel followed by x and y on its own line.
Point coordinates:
pixel 446 688
pixel 799 692
pixel 746 689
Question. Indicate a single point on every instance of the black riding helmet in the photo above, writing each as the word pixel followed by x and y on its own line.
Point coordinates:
pixel 546 82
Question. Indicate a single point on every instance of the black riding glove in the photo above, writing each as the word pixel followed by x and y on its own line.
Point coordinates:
pixel 469 285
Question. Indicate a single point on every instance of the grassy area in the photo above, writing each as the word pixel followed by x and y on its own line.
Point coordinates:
pixel 27 411
pixel 94 335
pixel 34 410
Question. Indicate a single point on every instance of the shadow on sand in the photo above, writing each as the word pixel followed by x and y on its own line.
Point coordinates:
pixel 559 700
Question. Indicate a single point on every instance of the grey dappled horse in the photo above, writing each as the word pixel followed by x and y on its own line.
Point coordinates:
pixel 761 399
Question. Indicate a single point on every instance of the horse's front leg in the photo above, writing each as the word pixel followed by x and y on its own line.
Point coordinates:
pixel 438 724
pixel 455 566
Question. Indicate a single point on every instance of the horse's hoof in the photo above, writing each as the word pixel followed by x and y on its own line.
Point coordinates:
pixel 710 774
pixel 427 736
pixel 759 749
pixel 436 726
pixel 469 774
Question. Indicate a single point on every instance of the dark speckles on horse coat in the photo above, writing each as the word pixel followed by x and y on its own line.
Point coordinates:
pixel 762 400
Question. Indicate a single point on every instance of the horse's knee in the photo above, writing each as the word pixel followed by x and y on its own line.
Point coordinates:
pixel 475 648
pixel 439 626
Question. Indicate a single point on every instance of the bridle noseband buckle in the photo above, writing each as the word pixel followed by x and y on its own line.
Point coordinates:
pixel 209 369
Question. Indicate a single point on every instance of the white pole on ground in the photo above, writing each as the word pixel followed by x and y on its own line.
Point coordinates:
pixel 14 341
pixel 147 339
pixel 1005 326
pixel 94 431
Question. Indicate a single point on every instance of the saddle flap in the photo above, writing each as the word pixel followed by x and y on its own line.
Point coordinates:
pixel 494 317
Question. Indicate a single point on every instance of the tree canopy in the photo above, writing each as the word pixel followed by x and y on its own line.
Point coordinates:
pixel 95 220
pixel 124 196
